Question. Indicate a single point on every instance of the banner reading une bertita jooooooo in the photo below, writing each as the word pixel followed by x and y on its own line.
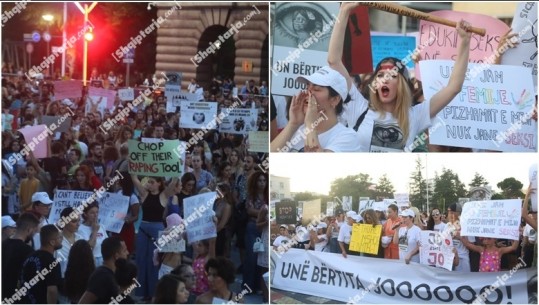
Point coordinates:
pixel 365 280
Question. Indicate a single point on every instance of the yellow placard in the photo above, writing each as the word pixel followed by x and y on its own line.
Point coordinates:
pixel 365 238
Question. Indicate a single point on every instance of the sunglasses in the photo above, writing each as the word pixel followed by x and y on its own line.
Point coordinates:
pixel 435 214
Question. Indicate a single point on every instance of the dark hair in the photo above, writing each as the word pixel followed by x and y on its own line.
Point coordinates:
pixel 47 233
pixel 252 185
pixel 430 222
pixel 77 152
pixel 179 270
pixel 89 207
pixel 225 268
pixel 80 266
pixel 27 221
pixel 394 207
pixel 57 147
pixel 128 188
pixel 166 289
pixel 93 145
pixel 222 168
pixel 65 212
pixel 188 177
pixel 110 246
pixel 111 154
pixel 126 271
pixel 333 93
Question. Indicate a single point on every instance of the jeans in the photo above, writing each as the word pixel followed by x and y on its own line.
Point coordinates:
pixel 334 245
pixel 147 272
pixel 250 265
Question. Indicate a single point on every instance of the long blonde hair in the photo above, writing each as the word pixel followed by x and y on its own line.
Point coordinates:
pixel 402 106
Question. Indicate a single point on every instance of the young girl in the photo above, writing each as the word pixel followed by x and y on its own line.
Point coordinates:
pixel 203 254
pixel 491 254
pixel 29 186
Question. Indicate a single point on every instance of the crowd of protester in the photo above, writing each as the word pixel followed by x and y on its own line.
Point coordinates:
pixel 84 262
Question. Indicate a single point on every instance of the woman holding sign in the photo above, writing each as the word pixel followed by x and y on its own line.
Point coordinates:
pixel 154 197
pixel 408 237
pixel 389 122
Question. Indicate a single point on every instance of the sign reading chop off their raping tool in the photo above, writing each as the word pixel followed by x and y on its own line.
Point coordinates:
pixel 158 159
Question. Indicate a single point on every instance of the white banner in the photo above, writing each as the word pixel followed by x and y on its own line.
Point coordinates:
pixel 436 250
pixel 525 53
pixel 492 111
pixel 366 204
pixel 198 212
pixel 112 211
pixel 239 120
pixel 371 280
pixel 491 218
pixel 65 198
pixel 175 99
pixel 197 114
pixel 403 199
pixel 127 94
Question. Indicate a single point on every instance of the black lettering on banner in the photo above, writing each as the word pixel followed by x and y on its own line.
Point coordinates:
pixel 358 283
pixel 315 276
pixel 392 285
pixel 449 292
pixel 429 294
pixel 377 290
pixel 499 296
pixel 410 295
pixel 331 280
pixel 459 295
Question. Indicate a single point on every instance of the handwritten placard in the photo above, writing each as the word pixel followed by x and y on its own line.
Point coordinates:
pixel 366 204
pixel 198 115
pixel 113 209
pixel 311 210
pixel 491 218
pixel 436 250
pixel 127 94
pixel 392 46
pixel 199 216
pixel 286 212
pixel 239 121
pixel 402 199
pixel 525 26
pixel 158 159
pixel 67 89
pixel 492 111
pixel 258 141
pixel 365 238
pixel 64 199
pixel 174 242
pixel 438 41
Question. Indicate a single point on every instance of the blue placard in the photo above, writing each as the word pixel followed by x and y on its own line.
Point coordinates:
pixel 394 46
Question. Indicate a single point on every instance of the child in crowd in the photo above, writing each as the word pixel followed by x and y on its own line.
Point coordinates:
pixel 491 254
pixel 203 254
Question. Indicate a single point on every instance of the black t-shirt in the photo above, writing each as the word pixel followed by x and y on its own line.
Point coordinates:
pixel 103 284
pixel 39 271
pixel 14 253
pixel 53 165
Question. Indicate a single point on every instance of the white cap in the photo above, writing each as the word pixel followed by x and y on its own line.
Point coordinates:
pixel 407 212
pixel 327 77
pixel 351 214
pixel 322 225
pixel 7 221
pixel 42 197
pixel 357 218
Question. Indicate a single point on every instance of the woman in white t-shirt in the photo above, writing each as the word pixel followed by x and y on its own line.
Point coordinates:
pixel 435 221
pixel 93 232
pixel 390 123
pixel 319 238
pixel 408 237
pixel 313 124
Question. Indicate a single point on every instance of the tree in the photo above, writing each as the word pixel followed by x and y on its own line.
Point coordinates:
pixel 447 188
pixel 511 188
pixel 478 180
pixel 305 196
pixel 354 185
pixel 418 187
pixel 384 188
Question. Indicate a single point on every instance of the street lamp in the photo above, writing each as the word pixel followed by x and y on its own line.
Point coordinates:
pixel 85 11
pixel 48 18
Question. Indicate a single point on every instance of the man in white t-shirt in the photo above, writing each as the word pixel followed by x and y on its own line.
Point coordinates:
pixel 282 239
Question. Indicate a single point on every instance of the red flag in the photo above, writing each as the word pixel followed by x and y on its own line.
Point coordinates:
pixel 357 55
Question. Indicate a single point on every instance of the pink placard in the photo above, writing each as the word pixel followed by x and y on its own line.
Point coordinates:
pixel 437 41
pixel 67 89
pixel 36 139
pixel 109 94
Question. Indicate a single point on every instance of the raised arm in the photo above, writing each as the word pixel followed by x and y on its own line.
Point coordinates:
pixel 336 42
pixel 471 246
pixel 444 96
pixel 529 220
pixel 296 117
pixel 140 188
pixel 512 248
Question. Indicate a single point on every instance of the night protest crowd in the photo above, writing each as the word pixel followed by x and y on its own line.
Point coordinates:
pixel 78 261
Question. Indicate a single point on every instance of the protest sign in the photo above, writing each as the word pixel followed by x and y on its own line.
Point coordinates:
pixel 492 111
pixel 366 280
pixel 50 121
pixel 198 114
pixel 311 210
pixel 402 199
pixel 239 121
pixel 199 216
pixel 356 56
pixel 300 51
pixel 330 208
pixel 36 139
pixel 99 99
pixel 525 53
pixel 174 241
pixel 366 204
pixel 286 212
pixel 258 141
pixel 63 199
pixel 392 46
pixel 533 187
pixel 440 41
pixel 346 203
pixel 436 250
pixel 113 209
pixel 155 159
pixel 175 99
pixel 365 238
pixel 67 89
pixel 491 218
pixel 127 94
